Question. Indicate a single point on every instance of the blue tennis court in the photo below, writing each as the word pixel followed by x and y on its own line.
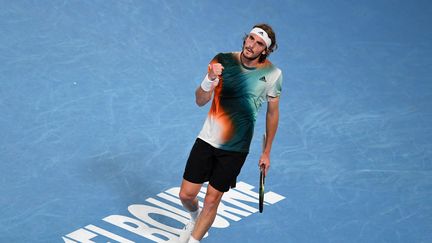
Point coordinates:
pixel 98 117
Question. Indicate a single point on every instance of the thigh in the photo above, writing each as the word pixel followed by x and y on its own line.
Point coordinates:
pixel 200 163
pixel 226 169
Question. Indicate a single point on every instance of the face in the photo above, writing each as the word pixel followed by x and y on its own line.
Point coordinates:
pixel 253 47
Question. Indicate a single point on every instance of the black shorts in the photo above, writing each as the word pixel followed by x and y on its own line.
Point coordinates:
pixel 219 167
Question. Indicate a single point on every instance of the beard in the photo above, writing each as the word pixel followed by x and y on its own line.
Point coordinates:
pixel 249 54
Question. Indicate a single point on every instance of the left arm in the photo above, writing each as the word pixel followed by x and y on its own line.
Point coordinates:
pixel 272 120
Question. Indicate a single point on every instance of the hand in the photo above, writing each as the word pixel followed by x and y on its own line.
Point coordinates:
pixel 264 162
pixel 214 70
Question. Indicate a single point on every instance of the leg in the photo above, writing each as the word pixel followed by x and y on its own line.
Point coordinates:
pixel 208 213
pixel 198 166
pixel 188 193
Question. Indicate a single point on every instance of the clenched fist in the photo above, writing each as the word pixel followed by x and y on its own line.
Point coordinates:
pixel 214 70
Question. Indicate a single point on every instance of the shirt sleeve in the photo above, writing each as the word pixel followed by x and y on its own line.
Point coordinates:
pixel 216 59
pixel 275 86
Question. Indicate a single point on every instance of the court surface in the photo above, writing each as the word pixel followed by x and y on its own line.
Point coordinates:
pixel 98 118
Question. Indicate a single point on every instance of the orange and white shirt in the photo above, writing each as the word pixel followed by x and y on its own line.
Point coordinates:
pixel 237 99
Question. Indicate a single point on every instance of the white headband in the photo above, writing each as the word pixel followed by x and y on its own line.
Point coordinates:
pixel 261 33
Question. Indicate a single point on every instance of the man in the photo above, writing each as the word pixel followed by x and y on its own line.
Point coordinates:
pixel 239 83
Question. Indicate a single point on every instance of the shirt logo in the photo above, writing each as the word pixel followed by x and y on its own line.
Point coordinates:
pixel 263 79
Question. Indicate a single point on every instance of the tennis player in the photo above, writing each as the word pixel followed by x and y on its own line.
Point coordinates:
pixel 239 83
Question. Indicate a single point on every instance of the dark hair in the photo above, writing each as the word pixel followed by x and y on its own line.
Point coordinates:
pixel 268 29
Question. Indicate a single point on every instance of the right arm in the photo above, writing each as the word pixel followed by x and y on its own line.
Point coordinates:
pixel 202 97
pixel 204 92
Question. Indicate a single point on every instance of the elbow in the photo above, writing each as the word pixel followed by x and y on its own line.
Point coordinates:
pixel 273 113
pixel 273 116
pixel 200 101
pixel 202 97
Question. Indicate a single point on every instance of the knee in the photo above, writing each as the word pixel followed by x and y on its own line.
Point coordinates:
pixel 211 202
pixel 186 196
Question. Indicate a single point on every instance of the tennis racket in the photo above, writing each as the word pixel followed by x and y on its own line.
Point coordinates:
pixel 262 180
